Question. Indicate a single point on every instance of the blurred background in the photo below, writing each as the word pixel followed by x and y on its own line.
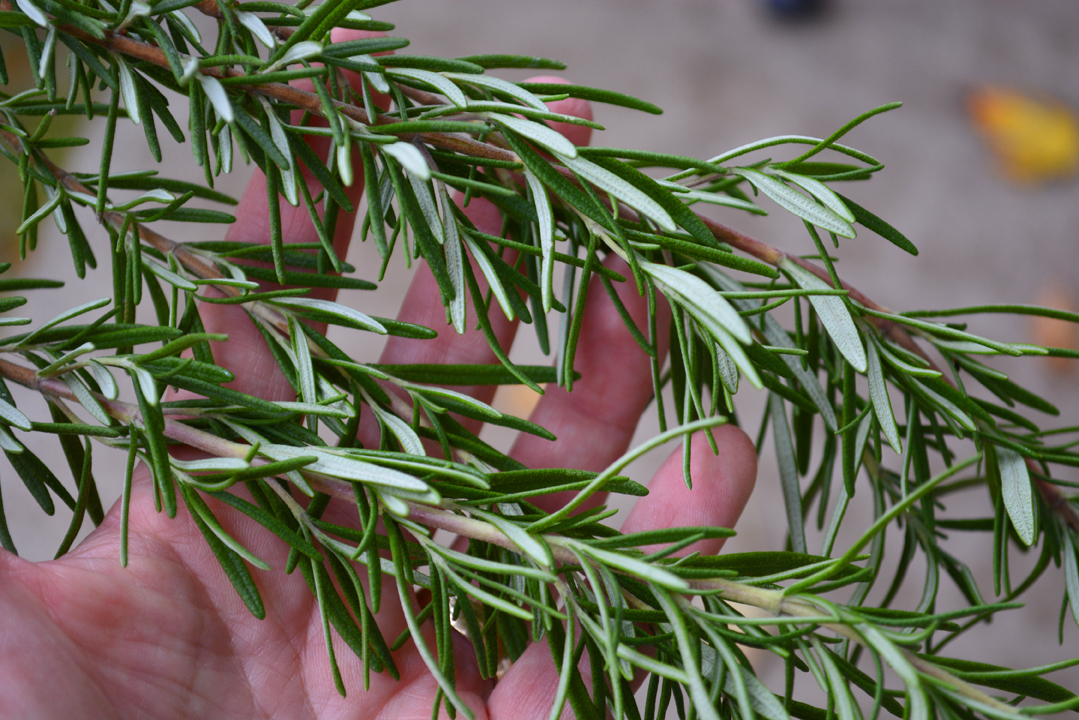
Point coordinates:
pixel 979 176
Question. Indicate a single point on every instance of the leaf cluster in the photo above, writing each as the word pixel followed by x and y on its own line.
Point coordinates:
pixel 842 371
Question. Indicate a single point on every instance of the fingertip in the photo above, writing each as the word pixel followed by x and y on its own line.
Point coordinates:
pixel 527 689
pixel 722 485
pixel 570 106
pixel 577 134
pixel 339 35
pixel 742 461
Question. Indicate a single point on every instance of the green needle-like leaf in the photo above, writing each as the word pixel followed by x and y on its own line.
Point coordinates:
pixel 333 313
pixel 874 223
pixel 594 94
pixel 620 188
pixel 1017 493
pixel 697 294
pixel 398 551
pixel 538 133
pixel 819 190
pixel 833 314
pixel 797 203
pixel 882 404
pixel 788 473
pixel 231 563
pixel 10 414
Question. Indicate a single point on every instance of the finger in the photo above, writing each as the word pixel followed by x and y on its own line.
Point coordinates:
pixel 595 422
pixel 252 220
pixel 527 690
pixel 423 304
pixel 245 349
pixel 722 485
pixel 415 693
pixel 579 135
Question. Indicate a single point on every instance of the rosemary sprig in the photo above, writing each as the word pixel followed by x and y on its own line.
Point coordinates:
pixel 526 574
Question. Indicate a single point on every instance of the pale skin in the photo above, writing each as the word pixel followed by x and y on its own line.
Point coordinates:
pixel 168 637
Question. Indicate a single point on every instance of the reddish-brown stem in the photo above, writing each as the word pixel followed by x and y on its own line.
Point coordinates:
pixel 1055 499
pixel 27 377
pixel 211 9
pixel 194 263
pixel 124 412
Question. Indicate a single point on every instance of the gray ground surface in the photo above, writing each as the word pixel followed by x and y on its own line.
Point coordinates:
pixel 727 74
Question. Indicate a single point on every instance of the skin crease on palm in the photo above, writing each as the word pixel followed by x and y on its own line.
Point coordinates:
pixel 168 637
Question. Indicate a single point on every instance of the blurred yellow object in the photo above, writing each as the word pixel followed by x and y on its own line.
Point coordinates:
pixel 1035 140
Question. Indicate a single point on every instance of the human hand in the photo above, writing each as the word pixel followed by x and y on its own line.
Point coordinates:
pixel 168 637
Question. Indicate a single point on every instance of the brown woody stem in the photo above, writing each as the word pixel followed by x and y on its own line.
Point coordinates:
pixel 124 412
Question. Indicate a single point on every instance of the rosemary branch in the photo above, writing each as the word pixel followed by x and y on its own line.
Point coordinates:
pixel 456 142
pixel 422 493
pixel 201 267
pixel 444 517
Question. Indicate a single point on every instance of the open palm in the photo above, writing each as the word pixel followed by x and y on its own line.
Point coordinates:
pixel 168 637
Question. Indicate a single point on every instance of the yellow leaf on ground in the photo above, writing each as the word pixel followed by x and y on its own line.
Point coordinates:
pixel 1035 139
